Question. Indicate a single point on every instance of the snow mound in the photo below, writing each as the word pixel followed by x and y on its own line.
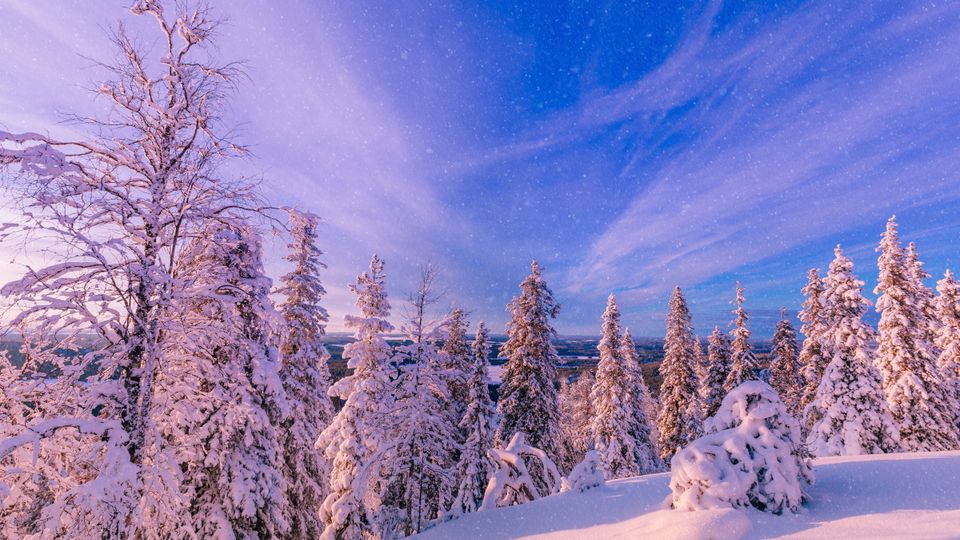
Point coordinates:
pixel 903 496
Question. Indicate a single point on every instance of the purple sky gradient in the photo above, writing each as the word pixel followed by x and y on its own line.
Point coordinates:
pixel 628 152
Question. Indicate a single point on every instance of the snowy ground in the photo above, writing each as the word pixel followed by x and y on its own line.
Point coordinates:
pixel 903 496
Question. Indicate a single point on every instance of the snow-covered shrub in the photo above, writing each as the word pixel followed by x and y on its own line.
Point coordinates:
pixel 587 474
pixel 751 456
pixel 511 483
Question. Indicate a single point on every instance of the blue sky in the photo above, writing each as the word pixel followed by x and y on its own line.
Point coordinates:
pixel 629 147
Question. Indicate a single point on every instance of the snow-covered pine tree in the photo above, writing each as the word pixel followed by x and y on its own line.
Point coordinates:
pixel 676 423
pixel 118 205
pixel 700 370
pixel 742 362
pixel 752 455
pixel 528 395
pixel 715 372
pixel 814 355
pixel 305 376
pixel 851 415
pixel 948 338
pixel 926 300
pixel 785 365
pixel 457 361
pixel 643 427
pixel 227 423
pixel 417 467
pixel 356 436
pixel 914 390
pixel 612 402
pixel 474 467
pixel 576 420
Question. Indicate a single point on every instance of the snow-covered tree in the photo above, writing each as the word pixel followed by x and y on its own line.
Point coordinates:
pixel 715 371
pixel 227 424
pixel 743 364
pixel 528 395
pixel 512 482
pixel 457 361
pixel 785 365
pixel 924 296
pixel 305 376
pixel 752 455
pixel 849 412
pixel 117 206
pixel 356 436
pixel 587 474
pixel 813 354
pixel 677 423
pixel 643 427
pixel 418 463
pixel 474 467
pixel 918 400
pixel 35 485
pixel 948 338
pixel 576 420
pixel 613 402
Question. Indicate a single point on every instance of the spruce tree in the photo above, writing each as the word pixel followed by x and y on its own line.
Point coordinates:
pixel 925 299
pixel 474 467
pixel 948 338
pixel 676 423
pixel 528 394
pixel 914 390
pixel 457 361
pixel 852 417
pixel 417 466
pixel 306 378
pixel 611 397
pixel 643 427
pixel 700 370
pixel 813 355
pixel 785 365
pixel 742 361
pixel 716 371
pixel 576 420
pixel 356 434
pixel 228 422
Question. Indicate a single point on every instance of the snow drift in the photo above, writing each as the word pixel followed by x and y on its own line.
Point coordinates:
pixel 876 496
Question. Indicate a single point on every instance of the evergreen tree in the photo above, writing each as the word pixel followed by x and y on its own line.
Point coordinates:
pixel 228 426
pixel 676 423
pixel 852 417
pixel 813 355
pixel 700 370
pixel 576 420
pixel 474 467
pixel 306 378
pixel 417 467
pixel 948 338
pixel 457 361
pixel 742 362
pixel 613 411
pixel 643 428
pixel 356 435
pixel 785 365
pixel 716 372
pixel 916 395
pixel 925 298
pixel 528 395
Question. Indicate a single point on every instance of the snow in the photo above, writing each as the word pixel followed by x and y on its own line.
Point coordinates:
pixel 902 496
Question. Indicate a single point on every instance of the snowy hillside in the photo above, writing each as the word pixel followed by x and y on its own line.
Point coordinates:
pixel 880 496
